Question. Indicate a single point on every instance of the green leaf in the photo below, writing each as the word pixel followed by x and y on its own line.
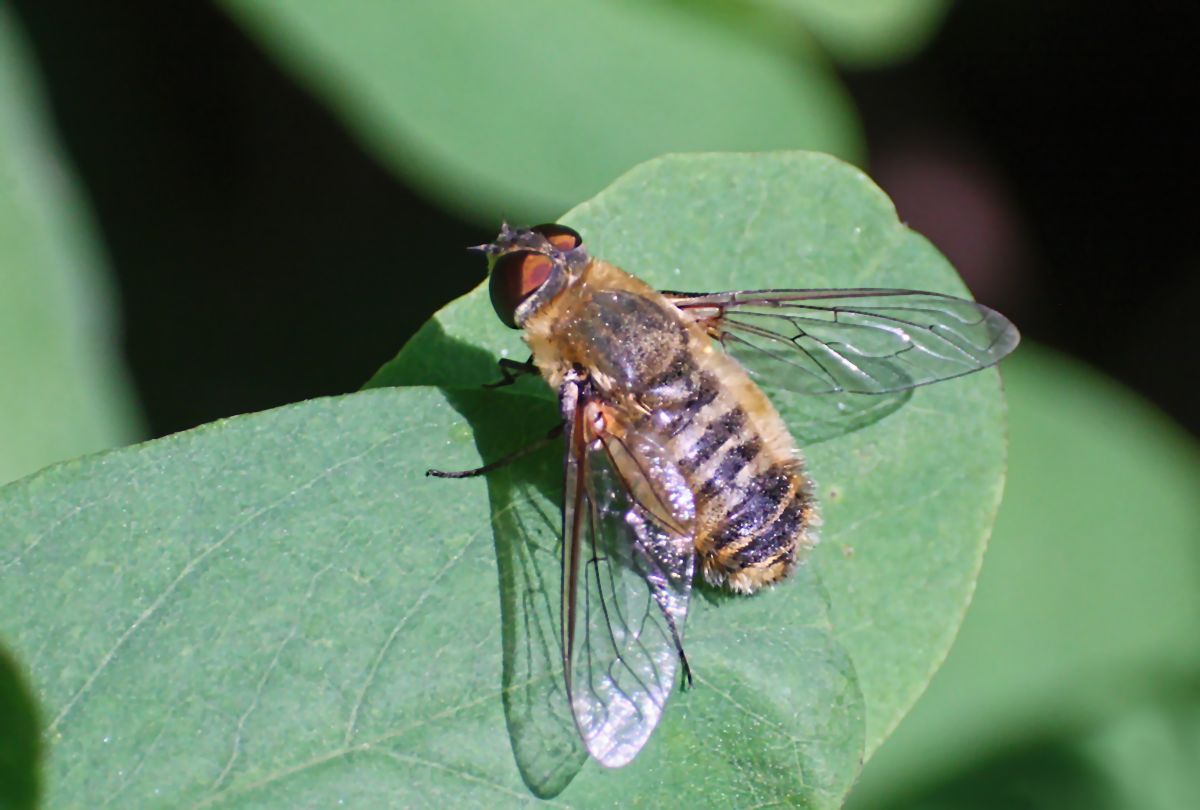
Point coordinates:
pixel 525 107
pixel 867 33
pixel 281 609
pixel 63 390
pixel 1088 603
pixel 19 744
pixel 1148 754
pixel 909 501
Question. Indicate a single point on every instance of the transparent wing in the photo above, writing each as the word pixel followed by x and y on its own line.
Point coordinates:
pixel 628 561
pixel 865 341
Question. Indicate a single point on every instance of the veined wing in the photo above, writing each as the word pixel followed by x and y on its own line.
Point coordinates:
pixel 628 562
pixel 852 341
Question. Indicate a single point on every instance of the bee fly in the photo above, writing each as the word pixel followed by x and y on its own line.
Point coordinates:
pixel 675 458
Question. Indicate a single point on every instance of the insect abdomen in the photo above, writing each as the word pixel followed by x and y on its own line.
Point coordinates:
pixel 753 501
pixel 757 529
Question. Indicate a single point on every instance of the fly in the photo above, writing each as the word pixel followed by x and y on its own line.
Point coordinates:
pixel 676 462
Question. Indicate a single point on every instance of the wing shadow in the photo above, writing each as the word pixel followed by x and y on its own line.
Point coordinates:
pixel 525 506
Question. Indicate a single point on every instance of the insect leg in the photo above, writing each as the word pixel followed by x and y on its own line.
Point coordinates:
pixel 686 681
pixel 659 591
pixel 504 460
pixel 511 370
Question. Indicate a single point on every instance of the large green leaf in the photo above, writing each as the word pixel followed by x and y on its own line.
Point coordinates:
pixel 1089 601
pixel 525 107
pixel 908 502
pixel 281 609
pixel 62 391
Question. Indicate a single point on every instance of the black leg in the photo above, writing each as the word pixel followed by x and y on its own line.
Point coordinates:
pixel 554 433
pixel 686 681
pixel 511 371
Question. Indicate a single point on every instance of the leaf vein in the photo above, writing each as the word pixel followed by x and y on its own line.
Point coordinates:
pixel 431 586
pixel 191 566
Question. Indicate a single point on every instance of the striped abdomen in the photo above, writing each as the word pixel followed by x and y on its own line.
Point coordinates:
pixel 753 502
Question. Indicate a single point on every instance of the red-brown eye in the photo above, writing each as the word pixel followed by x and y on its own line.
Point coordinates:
pixel 515 277
pixel 560 236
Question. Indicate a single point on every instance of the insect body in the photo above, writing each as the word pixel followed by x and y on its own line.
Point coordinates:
pixel 654 374
pixel 675 457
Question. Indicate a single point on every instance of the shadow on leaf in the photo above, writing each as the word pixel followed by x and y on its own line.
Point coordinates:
pixel 524 498
pixel 525 505
pixel 20 743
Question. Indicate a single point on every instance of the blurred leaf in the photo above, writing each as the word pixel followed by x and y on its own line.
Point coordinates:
pixel 1144 758
pixel 1048 774
pixel 909 501
pixel 63 391
pixel 1148 755
pixel 1089 597
pixel 868 33
pixel 19 744
pixel 522 108
pixel 281 609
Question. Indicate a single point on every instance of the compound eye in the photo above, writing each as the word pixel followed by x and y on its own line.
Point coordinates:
pixel 515 277
pixel 560 236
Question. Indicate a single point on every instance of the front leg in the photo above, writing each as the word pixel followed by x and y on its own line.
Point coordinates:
pixel 504 460
pixel 512 371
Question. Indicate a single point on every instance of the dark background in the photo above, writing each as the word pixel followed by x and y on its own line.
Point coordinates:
pixel 262 257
